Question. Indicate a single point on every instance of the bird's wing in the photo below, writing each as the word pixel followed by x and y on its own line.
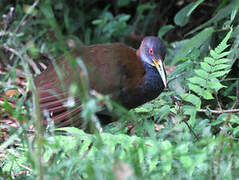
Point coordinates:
pixel 111 67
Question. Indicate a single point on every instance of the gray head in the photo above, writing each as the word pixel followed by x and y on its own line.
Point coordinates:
pixel 152 51
pixel 152 48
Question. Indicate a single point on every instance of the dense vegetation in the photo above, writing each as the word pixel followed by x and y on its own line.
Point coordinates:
pixel 189 132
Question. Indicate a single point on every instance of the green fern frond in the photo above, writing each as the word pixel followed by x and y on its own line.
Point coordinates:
pixel 206 81
pixel 223 45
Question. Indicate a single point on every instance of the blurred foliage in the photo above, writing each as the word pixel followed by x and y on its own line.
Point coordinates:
pixel 189 132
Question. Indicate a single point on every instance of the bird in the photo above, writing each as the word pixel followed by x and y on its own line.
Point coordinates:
pixel 131 77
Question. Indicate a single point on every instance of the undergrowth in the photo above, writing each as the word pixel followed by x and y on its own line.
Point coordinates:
pixel 189 132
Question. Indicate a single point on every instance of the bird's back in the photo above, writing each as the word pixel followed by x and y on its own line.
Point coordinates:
pixel 111 68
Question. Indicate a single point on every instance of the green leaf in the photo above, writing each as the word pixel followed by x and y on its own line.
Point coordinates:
pixel 166 156
pixel 180 68
pixel 48 12
pixel 218 74
pixel 182 17
pixel 164 30
pixel 123 17
pixel 234 11
pixel 219 119
pixel 122 3
pixel 224 54
pixel 191 111
pixel 215 55
pixel 223 45
pixel 220 67
pixel 67 19
pixel 198 80
pixel 143 7
pixel 186 161
pixel 194 42
pixel 234 119
pixel 235 130
pixel 215 84
pixel 196 88
pixel 202 73
pixel 71 130
pixel 206 66
pixel 7 106
pixel 163 111
pixel 97 21
pixel 207 94
pixel 195 53
pixel 222 13
pixel 143 109
pixel 222 60
pixel 192 99
pixel 209 60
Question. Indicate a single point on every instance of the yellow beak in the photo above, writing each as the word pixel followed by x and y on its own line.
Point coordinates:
pixel 159 66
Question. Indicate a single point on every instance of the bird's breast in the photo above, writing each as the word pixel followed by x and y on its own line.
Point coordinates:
pixel 150 88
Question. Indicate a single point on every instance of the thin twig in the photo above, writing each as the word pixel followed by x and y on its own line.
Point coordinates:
pixel 229 79
pixel 218 103
pixel 87 151
pixel 25 167
pixel 11 50
pixel 33 65
pixel 237 93
pixel 219 111
pixel 26 16
pixel 220 144
pixel 29 60
pixel 179 103
pixel 190 129
pixel 38 125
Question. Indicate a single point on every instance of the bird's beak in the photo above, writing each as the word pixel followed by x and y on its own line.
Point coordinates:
pixel 159 66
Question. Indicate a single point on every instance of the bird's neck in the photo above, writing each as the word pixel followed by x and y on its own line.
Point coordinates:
pixel 152 76
pixel 150 89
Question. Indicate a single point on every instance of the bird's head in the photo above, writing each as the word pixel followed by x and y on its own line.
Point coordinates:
pixel 152 51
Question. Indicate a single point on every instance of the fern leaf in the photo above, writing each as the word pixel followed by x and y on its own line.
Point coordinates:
pixel 218 74
pixel 223 60
pixel 196 88
pixel 198 80
pixel 215 55
pixel 201 73
pixel 192 99
pixel 205 66
pixel 206 79
pixel 223 45
pixel 220 67
pixel 215 84
pixel 207 94
pixel 209 60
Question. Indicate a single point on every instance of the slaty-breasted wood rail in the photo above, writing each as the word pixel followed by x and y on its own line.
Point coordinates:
pixel 132 77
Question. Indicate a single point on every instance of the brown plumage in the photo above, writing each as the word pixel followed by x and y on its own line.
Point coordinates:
pixel 116 69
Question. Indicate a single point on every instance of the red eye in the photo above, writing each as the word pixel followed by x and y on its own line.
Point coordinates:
pixel 151 51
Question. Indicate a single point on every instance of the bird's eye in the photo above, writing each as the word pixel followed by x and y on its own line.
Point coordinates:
pixel 151 52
